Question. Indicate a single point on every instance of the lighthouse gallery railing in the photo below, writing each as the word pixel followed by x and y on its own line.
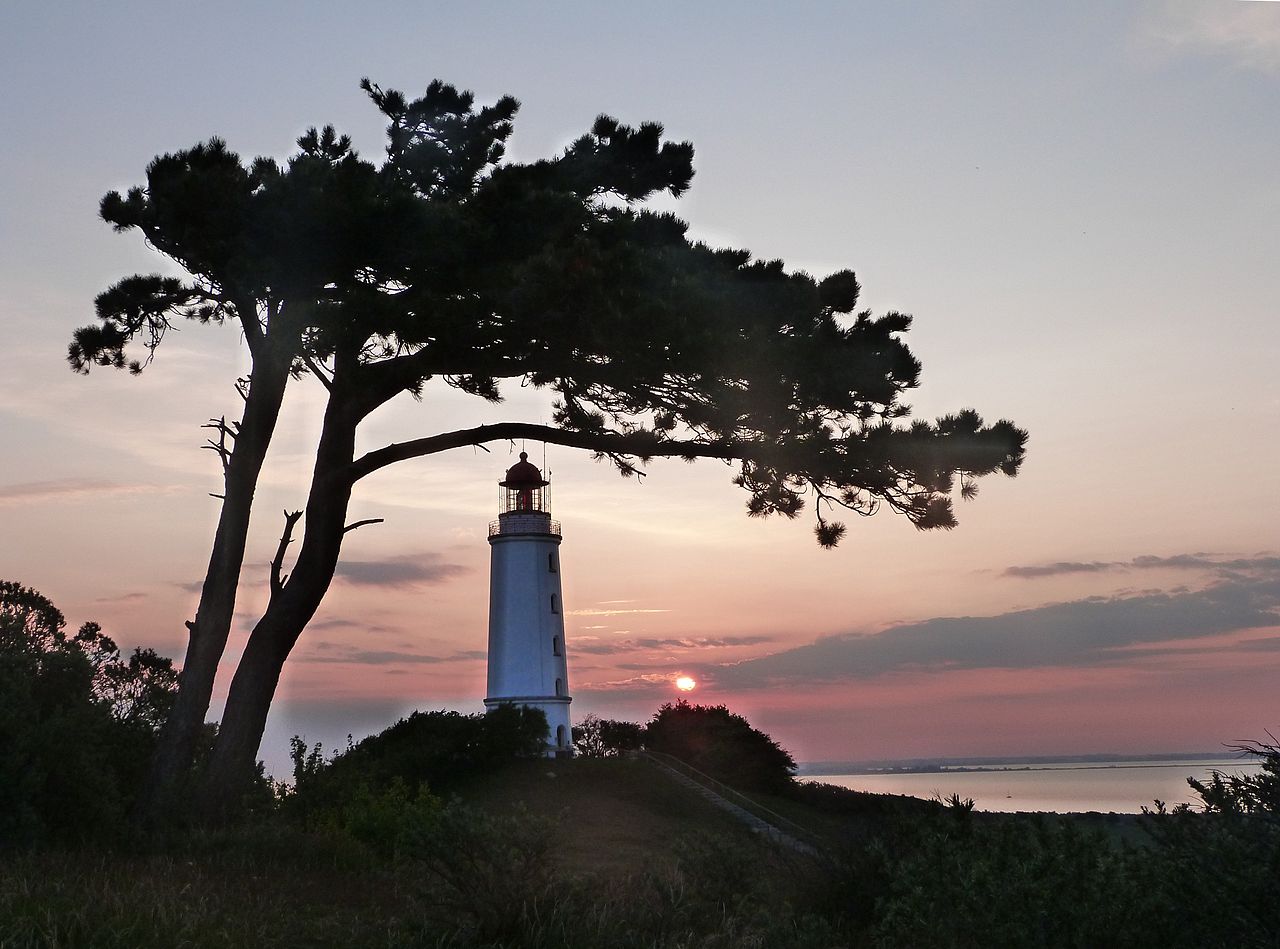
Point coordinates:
pixel 523 524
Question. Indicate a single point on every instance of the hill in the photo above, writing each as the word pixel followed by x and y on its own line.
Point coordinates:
pixel 625 814
pixel 613 814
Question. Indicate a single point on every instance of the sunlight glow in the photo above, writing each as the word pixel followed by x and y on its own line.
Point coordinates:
pixel 686 683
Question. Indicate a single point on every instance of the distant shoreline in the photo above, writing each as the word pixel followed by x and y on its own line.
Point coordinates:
pixel 1025 763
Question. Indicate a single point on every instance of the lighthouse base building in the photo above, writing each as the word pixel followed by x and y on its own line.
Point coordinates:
pixel 527 662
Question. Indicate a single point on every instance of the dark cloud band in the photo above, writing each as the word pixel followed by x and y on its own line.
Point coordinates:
pixel 1208 562
pixel 1080 633
pixel 421 570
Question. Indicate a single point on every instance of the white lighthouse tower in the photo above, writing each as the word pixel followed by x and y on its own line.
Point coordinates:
pixel 526 611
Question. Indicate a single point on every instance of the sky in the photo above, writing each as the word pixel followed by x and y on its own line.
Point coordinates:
pixel 1078 203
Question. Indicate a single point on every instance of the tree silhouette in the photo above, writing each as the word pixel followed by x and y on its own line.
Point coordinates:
pixel 724 745
pixel 596 737
pixel 446 264
pixel 77 721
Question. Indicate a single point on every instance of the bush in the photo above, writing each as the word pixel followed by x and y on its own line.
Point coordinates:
pixel 491 872
pixel 445 749
pixel 605 738
pixel 1245 793
pixel 724 745
pixel 387 821
pixel 1228 856
pixel 77 722
pixel 399 773
pixel 955 881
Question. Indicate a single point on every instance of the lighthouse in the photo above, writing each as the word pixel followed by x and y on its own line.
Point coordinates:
pixel 526 610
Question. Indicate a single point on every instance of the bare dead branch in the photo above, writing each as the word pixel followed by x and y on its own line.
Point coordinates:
pixel 368 520
pixel 224 431
pixel 278 581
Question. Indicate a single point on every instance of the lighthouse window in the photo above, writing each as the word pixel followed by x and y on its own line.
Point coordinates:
pixel 551 563
pixel 555 646
pixel 560 735
pixel 555 604
pixel 559 686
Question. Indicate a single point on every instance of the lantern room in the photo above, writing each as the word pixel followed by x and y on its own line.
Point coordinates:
pixel 524 490
pixel 524 505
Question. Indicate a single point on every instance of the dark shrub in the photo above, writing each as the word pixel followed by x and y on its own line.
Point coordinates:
pixel 724 745
pixel 606 738
pixel 405 766
pixel 77 722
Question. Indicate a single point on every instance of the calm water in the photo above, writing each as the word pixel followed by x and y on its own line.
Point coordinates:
pixel 1120 786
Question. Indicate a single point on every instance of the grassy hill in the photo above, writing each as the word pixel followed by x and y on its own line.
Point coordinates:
pixel 614 815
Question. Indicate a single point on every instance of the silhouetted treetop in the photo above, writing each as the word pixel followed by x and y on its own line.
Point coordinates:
pixel 445 262
pixel 721 743
pixel 77 721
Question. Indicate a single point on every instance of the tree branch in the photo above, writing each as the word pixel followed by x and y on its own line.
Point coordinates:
pixel 614 444
pixel 277 581
pixel 247 313
pixel 315 371
pixel 368 520
pixel 387 378
pixel 220 446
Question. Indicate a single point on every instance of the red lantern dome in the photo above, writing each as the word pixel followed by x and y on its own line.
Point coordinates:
pixel 524 474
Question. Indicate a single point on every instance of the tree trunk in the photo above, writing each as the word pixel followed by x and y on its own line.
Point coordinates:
pixel 212 624
pixel 288 612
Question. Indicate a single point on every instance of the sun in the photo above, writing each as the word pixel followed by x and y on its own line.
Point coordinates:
pixel 686 683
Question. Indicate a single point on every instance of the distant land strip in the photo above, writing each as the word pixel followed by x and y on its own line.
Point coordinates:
pixel 1015 763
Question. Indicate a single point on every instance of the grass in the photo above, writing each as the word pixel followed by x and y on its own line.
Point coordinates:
pixel 70 899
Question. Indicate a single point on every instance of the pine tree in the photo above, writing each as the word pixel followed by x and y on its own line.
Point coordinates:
pixel 446 264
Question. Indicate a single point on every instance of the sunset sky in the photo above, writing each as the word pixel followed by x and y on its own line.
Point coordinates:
pixel 1079 203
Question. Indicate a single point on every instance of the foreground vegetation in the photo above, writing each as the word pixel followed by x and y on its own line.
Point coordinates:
pixel 496 866
pixel 449 831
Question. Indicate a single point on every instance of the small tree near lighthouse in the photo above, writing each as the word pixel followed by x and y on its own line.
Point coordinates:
pixel 527 664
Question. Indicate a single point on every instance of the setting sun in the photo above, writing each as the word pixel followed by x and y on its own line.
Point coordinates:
pixel 686 683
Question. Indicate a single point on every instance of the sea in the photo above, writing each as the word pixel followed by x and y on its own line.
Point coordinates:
pixel 1105 784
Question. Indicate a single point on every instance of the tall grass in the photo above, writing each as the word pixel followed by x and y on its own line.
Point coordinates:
pixel 67 900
